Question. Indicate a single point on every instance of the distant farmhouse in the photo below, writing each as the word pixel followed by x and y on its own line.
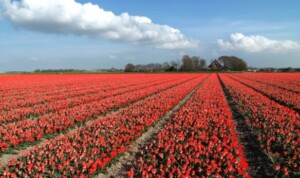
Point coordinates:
pixel 215 65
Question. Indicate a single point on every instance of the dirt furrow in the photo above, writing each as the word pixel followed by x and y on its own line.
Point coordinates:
pixel 119 169
pixel 24 148
pixel 266 95
pixel 259 164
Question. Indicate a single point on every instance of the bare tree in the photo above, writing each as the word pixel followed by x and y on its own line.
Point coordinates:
pixel 202 64
pixel 196 63
pixel 187 63
pixel 175 64
pixel 166 66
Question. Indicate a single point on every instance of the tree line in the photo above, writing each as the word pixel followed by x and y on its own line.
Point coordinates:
pixel 58 71
pixel 189 64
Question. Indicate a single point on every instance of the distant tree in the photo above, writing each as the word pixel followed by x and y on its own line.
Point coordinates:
pixel 157 67
pixel 165 66
pixel 175 64
pixel 150 67
pixel 196 63
pixel 171 69
pixel 37 71
pixel 202 64
pixel 129 68
pixel 289 69
pixel 233 63
pixel 139 68
pixel 187 63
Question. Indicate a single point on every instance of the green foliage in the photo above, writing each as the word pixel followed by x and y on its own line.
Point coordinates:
pixel 129 68
pixel 233 63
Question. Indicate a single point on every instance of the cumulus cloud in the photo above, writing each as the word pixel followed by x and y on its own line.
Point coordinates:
pixel 256 43
pixel 71 17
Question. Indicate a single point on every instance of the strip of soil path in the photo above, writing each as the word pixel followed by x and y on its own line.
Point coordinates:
pixel 259 164
pixel 25 148
pixel 125 161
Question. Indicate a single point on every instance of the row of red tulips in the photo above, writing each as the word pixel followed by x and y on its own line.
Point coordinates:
pixel 43 97
pixel 13 134
pixel 12 102
pixel 27 84
pixel 199 141
pixel 71 100
pixel 43 93
pixel 288 81
pixel 288 98
pixel 91 149
pixel 277 126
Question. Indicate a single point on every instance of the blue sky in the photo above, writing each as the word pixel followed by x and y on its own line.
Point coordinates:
pixel 108 33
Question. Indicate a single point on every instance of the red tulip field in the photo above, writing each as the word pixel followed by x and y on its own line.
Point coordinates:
pixel 150 125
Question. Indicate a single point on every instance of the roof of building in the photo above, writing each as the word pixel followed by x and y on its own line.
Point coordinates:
pixel 215 63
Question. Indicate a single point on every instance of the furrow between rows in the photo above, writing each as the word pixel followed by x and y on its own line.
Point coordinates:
pixel 95 145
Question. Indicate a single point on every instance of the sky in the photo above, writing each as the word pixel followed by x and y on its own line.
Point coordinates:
pixel 96 34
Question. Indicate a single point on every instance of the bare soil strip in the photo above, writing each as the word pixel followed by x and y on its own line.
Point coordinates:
pixel 119 169
pixel 266 95
pixel 259 164
pixel 18 153
pixel 21 149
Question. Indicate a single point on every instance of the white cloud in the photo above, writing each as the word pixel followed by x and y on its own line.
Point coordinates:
pixel 1 8
pixel 70 17
pixel 111 56
pixel 256 43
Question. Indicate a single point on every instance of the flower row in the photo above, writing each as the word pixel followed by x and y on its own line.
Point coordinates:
pixel 71 100
pixel 92 147
pixel 13 134
pixel 288 81
pixel 288 98
pixel 32 96
pixel 277 126
pixel 199 141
